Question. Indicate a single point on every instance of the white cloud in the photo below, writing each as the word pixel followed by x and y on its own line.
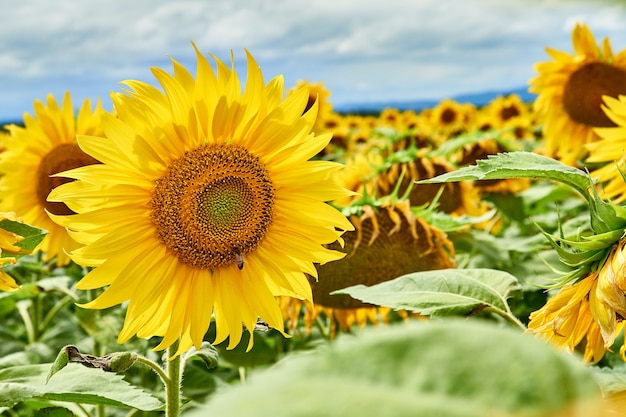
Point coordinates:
pixel 389 49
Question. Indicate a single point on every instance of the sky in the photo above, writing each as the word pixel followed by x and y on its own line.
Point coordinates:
pixel 363 51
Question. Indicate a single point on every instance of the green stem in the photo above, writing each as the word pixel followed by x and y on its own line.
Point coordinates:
pixel 156 368
pixel 172 387
pixel 323 328
pixel 23 310
pixel 98 349
pixel 37 316
pixel 508 316
pixel 54 310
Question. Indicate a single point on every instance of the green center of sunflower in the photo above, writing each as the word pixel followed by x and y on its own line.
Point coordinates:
pixel 213 206
pixel 62 158
pixel 582 94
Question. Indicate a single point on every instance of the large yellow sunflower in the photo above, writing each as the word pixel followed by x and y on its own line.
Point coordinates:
pixel 205 204
pixel 44 146
pixel 570 90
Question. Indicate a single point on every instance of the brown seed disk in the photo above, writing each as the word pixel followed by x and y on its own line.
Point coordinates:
pixel 582 94
pixel 377 251
pixel 213 206
pixel 62 158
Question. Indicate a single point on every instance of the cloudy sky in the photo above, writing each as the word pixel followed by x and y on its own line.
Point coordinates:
pixel 363 51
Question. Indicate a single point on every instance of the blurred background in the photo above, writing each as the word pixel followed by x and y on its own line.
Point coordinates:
pixel 370 55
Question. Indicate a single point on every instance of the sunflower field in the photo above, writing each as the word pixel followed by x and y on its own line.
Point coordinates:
pixel 221 246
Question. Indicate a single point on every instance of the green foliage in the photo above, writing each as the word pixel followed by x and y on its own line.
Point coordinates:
pixel 73 383
pixel 445 368
pixel 604 217
pixel 449 292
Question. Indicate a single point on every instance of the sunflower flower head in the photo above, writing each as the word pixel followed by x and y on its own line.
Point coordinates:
pixel 591 310
pixel 388 241
pixel 205 206
pixel 34 154
pixel 570 90
pixel 590 304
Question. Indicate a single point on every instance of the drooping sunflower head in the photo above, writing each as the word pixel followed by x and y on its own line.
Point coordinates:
pixel 570 90
pixel 206 204
pixel 388 241
pixel 590 310
pixel 35 153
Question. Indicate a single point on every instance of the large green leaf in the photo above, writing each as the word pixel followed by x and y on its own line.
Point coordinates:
pixel 74 383
pixel 519 165
pixel 604 216
pixel 442 292
pixel 443 368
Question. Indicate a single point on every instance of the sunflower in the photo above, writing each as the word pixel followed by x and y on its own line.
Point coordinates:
pixel 43 147
pixel 319 94
pixel 505 109
pixel 205 204
pixel 610 150
pixel 570 90
pixel 388 241
pixel 449 118
pixel 592 309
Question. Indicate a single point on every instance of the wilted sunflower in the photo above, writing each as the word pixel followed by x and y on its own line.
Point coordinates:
pixel 205 204
pixel 44 146
pixel 611 150
pixel 570 90
pixel 592 309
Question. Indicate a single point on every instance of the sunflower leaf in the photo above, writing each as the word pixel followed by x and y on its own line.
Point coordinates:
pixel 611 380
pixel 72 383
pixel 447 292
pixel 518 164
pixel 605 217
pixel 448 368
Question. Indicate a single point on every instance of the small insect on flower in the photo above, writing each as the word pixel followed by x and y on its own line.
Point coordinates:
pixel 239 258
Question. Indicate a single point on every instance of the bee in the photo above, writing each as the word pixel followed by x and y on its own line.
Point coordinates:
pixel 239 259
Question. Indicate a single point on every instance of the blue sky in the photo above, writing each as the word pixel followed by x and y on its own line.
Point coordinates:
pixel 363 51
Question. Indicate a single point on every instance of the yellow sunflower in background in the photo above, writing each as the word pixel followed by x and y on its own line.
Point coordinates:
pixel 448 119
pixel 43 147
pixel 570 90
pixel 610 150
pixel 318 93
pixel 388 241
pixel 205 204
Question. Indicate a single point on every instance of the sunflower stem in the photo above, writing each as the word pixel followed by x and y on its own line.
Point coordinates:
pixel 156 368
pixel 172 385
pixel 508 316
